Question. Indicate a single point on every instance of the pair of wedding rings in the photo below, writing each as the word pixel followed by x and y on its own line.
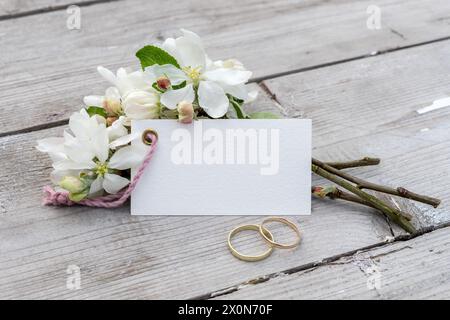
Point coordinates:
pixel 266 235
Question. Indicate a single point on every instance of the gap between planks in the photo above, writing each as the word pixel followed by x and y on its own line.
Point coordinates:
pixel 314 265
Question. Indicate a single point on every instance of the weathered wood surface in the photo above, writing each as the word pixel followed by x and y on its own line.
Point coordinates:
pixel 374 102
pixel 16 8
pixel 414 269
pixel 46 68
pixel 121 256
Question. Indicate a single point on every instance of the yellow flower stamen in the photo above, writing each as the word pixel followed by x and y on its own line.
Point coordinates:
pixel 101 169
pixel 193 73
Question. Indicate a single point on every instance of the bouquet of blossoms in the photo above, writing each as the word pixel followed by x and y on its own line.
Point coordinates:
pixel 93 159
pixel 177 81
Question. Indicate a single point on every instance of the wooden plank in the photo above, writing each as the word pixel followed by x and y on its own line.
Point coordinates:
pixel 414 269
pixel 374 102
pixel 15 8
pixel 124 256
pixel 46 69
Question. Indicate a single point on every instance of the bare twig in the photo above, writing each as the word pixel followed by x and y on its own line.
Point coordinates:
pixel 366 161
pixel 362 184
pixel 392 213
pixel 333 192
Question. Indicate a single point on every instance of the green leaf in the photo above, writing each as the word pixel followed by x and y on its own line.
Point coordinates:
pixel 263 115
pixel 92 110
pixel 155 86
pixel 150 55
pixel 179 86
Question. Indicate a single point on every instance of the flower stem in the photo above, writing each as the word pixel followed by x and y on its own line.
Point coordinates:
pixel 336 193
pixel 392 213
pixel 362 184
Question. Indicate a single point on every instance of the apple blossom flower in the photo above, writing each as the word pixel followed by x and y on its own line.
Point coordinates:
pixel 211 81
pixel 141 104
pixel 86 150
pixel 131 96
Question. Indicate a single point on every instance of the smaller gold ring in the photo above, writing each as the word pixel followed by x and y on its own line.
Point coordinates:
pixel 245 257
pixel 146 136
pixel 277 244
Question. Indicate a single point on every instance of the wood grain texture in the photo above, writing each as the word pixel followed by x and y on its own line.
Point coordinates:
pixel 46 69
pixel 414 269
pixel 15 8
pixel 368 107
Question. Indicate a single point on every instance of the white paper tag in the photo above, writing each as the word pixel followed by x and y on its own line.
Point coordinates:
pixel 226 167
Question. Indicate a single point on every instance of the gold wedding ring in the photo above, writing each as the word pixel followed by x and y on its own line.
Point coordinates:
pixel 270 240
pixel 253 227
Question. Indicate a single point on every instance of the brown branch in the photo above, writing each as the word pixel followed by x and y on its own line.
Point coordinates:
pixel 333 192
pixel 392 213
pixel 362 184
pixel 366 161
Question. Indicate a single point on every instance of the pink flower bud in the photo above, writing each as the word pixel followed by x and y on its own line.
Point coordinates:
pixel 163 83
pixel 185 112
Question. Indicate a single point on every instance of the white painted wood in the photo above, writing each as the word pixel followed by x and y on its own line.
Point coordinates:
pixel 414 269
pixel 46 69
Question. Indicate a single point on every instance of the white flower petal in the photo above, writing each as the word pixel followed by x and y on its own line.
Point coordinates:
pixel 113 183
pixel 190 53
pixel 78 151
pixel 228 76
pixel 175 75
pixel 140 104
pixel 192 36
pixel 125 158
pixel 117 129
pixel 112 93
pixel 78 123
pixel 124 140
pixel 239 91
pixel 171 98
pixel 170 46
pixel 100 143
pixel 212 99
pixel 93 101
pixel 54 147
pixel 72 165
pixel 252 95
pixel 107 74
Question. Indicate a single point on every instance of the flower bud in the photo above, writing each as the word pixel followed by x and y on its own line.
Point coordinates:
pixel 72 184
pixel 322 192
pixel 163 83
pixel 112 107
pixel 185 112
pixel 139 104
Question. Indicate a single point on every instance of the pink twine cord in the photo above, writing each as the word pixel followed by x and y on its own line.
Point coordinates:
pixel 55 198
